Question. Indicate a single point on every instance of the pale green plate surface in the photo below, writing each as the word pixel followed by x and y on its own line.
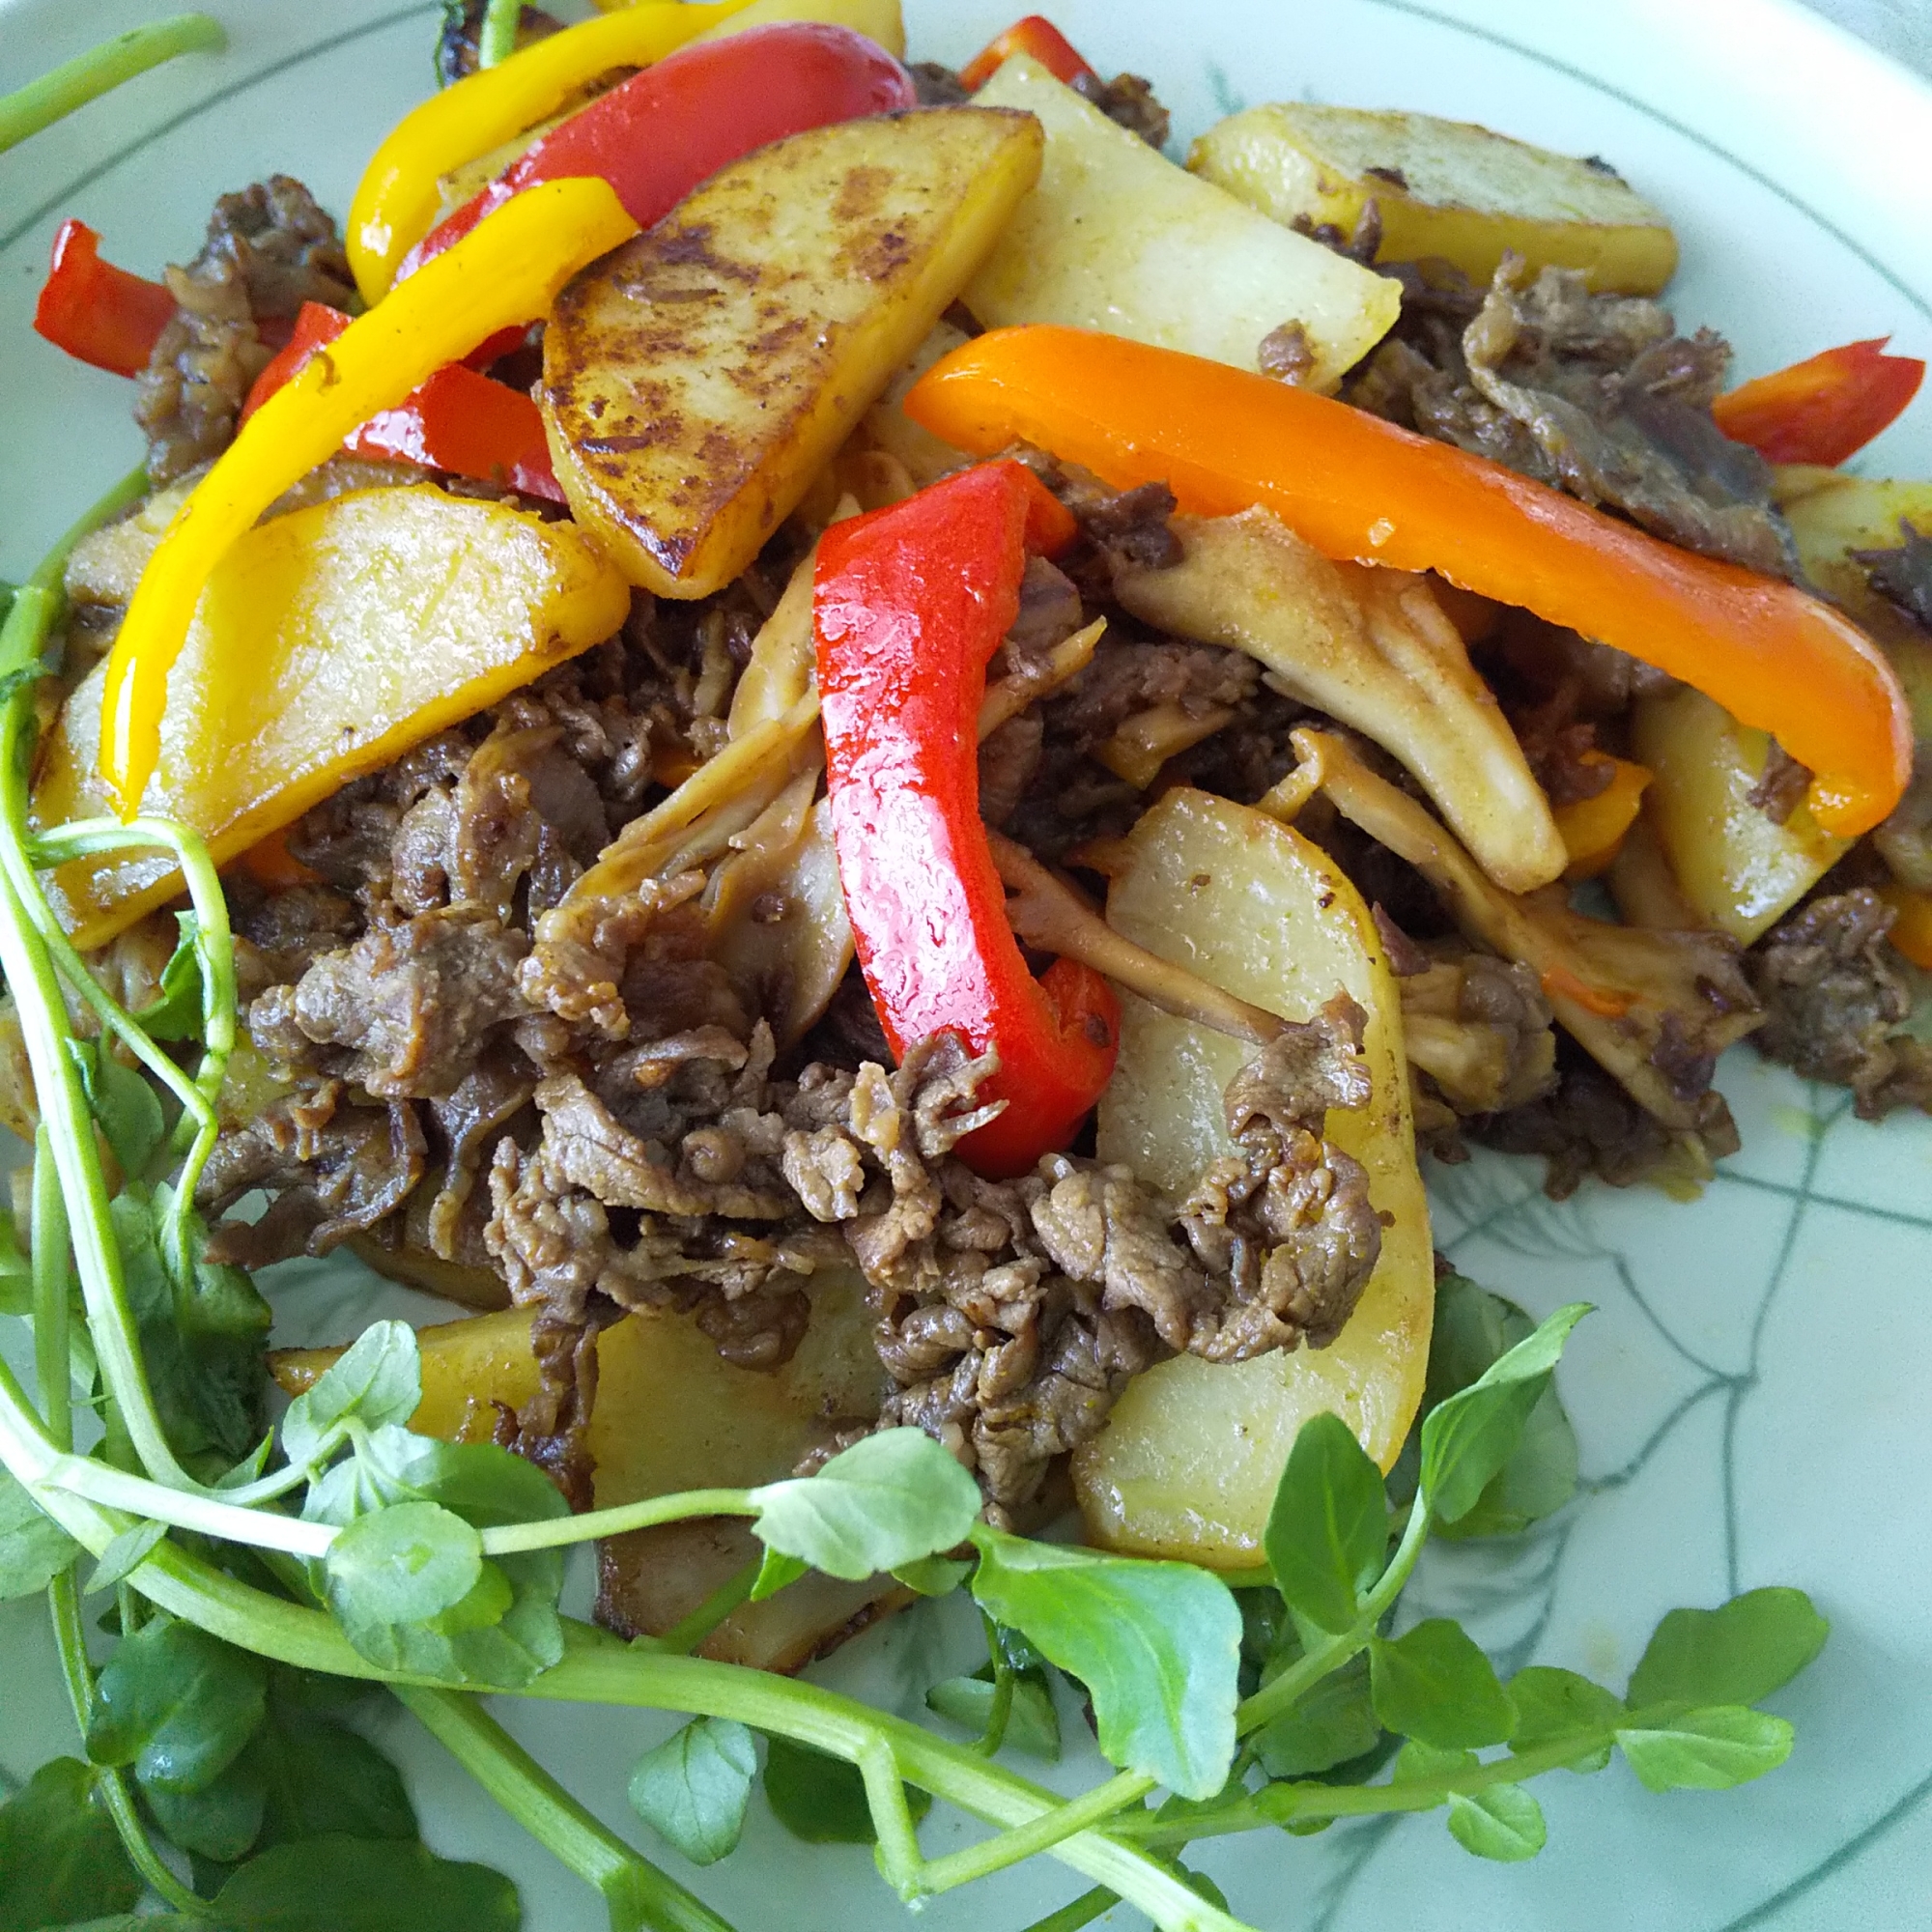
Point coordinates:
pixel 1754 1400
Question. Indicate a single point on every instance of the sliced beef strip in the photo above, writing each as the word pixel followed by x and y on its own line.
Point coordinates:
pixel 1903 574
pixel 1833 997
pixel 1592 395
pixel 269 249
pixel 335 1169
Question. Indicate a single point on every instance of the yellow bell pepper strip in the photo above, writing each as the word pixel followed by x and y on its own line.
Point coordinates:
pixel 1912 930
pixel 396 202
pixel 1354 486
pixel 1593 828
pixel 509 269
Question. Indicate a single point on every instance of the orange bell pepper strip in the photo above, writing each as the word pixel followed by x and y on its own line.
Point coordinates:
pixel 1039 39
pixel 1824 409
pixel 1912 930
pixel 509 269
pixel 1355 487
pixel 396 201
pixel 1594 829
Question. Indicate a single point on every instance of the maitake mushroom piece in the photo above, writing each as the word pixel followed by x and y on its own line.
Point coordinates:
pixel 1372 649
pixel 1653 1009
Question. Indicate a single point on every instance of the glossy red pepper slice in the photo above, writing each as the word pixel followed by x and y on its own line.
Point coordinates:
pixel 458 421
pixel 908 605
pixel 655 136
pixel 96 312
pixel 1039 39
pixel 1824 409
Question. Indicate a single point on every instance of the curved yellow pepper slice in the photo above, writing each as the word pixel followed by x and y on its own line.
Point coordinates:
pixel 506 269
pixel 396 202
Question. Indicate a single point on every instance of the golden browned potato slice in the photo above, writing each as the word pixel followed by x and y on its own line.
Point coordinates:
pixel 698 379
pixel 1443 187
pixel 1188 1466
pixel 1737 869
pixel 326 643
pixel 1116 238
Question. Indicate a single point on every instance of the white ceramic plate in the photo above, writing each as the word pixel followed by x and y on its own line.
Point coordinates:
pixel 1752 1399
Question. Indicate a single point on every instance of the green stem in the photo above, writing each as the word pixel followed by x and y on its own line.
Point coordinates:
pixel 1038 1834
pixel 514 1538
pixel 70 1641
pixel 686 1634
pixel 1078 1912
pixel 75 82
pixel 496 37
pixel 1301 1676
pixel 53 1366
pixel 637 1892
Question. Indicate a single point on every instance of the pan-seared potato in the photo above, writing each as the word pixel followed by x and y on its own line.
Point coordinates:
pixel 1831 515
pixel 697 379
pixel 1443 187
pixel 1738 870
pixel 672 1414
pixel 1117 237
pixel 1188 1464
pixel 326 643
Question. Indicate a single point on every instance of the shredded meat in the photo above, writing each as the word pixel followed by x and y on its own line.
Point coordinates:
pixel 938 86
pixel 1129 100
pixel 1902 576
pixel 1781 785
pixel 269 249
pixel 1285 355
pixel 1592 395
pixel 1833 997
pixel 335 1169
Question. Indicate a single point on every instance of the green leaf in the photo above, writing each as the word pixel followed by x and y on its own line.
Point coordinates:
pixel 1032 1724
pixel 1553 1704
pixel 822 1799
pixel 1501 1822
pixel 1733 1655
pixel 222 1820
pixel 1423 1764
pixel 1472 1329
pixel 888 1499
pixel 1157 1646
pixel 1705 1750
pixel 34 1548
pixel 1467 1439
pixel 1333 1722
pixel 177 1704
pixel 322 1779
pixel 932 1575
pixel 405 1564
pixel 692 1789
pixel 125 1107
pixel 1433 1684
pixel 176 1013
pixel 60 1856
pixel 377 1380
pixel 776 1573
pixel 125 1554
pixel 1329 1529
pixel 361 1885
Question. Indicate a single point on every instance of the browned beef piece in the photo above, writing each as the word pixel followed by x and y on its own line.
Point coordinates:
pixel 269 249
pixel 1127 677
pixel 938 86
pixel 1781 786
pixel 1129 100
pixel 1591 394
pixel 462 23
pixel 335 1169
pixel 408 1009
pixel 1833 995
pixel 277 936
pixel 1902 576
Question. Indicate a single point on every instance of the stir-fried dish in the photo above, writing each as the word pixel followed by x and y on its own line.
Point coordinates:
pixel 878 769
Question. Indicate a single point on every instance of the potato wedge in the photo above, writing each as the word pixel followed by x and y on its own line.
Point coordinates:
pixel 671 1414
pixel 1188 1464
pixel 1442 188
pixel 697 379
pixel 326 643
pixel 1737 869
pixel 1116 238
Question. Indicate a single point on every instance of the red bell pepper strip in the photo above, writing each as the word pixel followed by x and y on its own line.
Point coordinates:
pixel 96 312
pixel 664 131
pixel 458 421
pixel 1039 39
pixel 908 605
pixel 1225 439
pixel 1824 409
